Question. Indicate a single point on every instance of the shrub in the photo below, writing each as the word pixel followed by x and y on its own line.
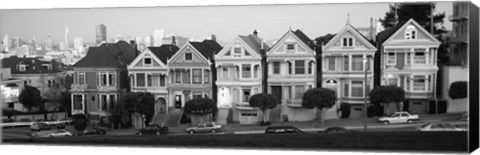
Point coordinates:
pixel 458 90
pixel 345 109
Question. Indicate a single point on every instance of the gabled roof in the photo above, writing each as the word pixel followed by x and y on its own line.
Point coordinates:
pixel 207 48
pixel 164 52
pixel 254 42
pixel 385 34
pixel 355 32
pixel 309 42
pixel 34 65
pixel 119 54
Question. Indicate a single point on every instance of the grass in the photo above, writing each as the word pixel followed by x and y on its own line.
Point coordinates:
pixel 404 141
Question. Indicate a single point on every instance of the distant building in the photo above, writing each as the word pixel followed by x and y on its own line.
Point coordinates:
pixel 100 34
pixel 158 37
pixel 67 43
pixel 48 43
pixel 175 40
pixel 143 42
pixel 10 89
pixel 78 46
pixel 6 43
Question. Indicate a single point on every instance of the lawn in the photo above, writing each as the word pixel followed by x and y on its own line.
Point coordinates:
pixel 401 141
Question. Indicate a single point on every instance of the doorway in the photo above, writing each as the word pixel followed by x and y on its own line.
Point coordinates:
pixel 178 101
pixel 277 92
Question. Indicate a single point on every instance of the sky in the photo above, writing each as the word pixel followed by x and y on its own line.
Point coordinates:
pixel 197 22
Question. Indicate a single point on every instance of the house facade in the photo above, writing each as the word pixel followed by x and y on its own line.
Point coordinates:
pixel 100 78
pixel 291 71
pixel 345 59
pixel 190 72
pixel 408 59
pixel 239 76
pixel 149 73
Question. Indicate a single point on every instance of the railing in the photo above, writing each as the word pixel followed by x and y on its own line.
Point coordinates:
pixel 419 88
pixel 294 102
pixel 418 94
pixel 107 88
pixel 419 60
pixel 78 87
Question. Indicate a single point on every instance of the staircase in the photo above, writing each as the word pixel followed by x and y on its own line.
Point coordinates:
pixel 173 117
pixel 158 118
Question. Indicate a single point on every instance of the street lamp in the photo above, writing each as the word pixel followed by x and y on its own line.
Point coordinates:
pixel 365 60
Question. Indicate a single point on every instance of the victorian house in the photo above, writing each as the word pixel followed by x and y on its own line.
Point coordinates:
pixel 346 58
pixel 149 73
pixel 239 76
pixel 291 71
pixel 408 59
pixel 100 78
pixel 190 72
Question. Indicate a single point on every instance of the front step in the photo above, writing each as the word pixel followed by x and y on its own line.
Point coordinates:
pixel 173 117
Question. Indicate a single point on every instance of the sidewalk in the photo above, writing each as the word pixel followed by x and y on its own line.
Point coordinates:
pixel 302 125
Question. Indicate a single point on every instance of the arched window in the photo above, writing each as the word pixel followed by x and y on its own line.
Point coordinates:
pixel 410 32
pixel 149 80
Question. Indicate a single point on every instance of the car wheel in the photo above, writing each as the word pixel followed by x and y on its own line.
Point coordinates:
pixel 140 133
pixel 386 122
pixel 409 121
pixel 213 131
pixel 191 132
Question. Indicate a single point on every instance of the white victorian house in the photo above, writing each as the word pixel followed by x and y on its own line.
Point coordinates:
pixel 409 60
pixel 345 59
pixel 148 72
pixel 291 71
pixel 239 76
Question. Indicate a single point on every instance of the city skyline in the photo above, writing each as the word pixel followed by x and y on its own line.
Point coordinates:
pixel 268 19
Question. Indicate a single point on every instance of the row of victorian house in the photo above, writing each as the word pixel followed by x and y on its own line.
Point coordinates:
pixel 404 55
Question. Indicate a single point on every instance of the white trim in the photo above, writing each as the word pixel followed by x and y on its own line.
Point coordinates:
pixel 185 56
pixel 340 34
pixel 271 53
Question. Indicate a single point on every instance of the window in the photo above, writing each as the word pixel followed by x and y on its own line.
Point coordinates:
pixel 299 90
pixel 149 80
pixel 357 62
pixel 22 67
pixel 391 59
pixel 188 56
pixel 237 51
pixel 225 73
pixel 103 79
pixel 345 63
pixel 290 47
pixel 103 102
pixel 289 67
pixel 147 61
pixel 246 71
pixel 331 63
pixel 197 95
pixel 419 83
pixel 345 89
pixel 197 76
pixel 255 71
pixel 357 88
pixel 246 95
pixel 392 81
pixel 206 76
pixel 81 78
pixel 276 67
pixel 419 57
pixel 310 67
pixel 410 32
pixel 111 79
pixel 162 80
pixel 112 101
pixel 347 42
pixel 350 42
pixel 77 102
pixel 178 76
pixel 299 66
pixel 140 80
pixel 49 83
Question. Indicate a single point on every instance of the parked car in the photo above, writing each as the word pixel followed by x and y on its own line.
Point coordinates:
pixel 330 130
pixel 284 129
pixel 60 133
pixel 465 116
pixel 439 126
pixel 39 126
pixel 94 131
pixel 399 117
pixel 204 127
pixel 153 130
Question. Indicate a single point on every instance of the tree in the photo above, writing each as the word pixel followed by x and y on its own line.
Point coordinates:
pixel 387 95
pixel 80 122
pixel 30 97
pixel 324 39
pixel 141 103
pixel 458 90
pixel 319 98
pixel 66 102
pixel 200 108
pixel 264 102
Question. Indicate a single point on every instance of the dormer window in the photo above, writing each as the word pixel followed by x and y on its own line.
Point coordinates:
pixel 147 61
pixel 237 51
pixel 347 42
pixel 188 56
pixel 410 32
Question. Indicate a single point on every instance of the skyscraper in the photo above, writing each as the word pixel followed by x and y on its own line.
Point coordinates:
pixel 66 38
pixel 157 37
pixel 101 33
pixel 48 43
pixel 78 45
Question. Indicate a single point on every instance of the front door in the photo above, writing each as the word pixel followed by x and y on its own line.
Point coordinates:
pixel 178 101
pixel 277 92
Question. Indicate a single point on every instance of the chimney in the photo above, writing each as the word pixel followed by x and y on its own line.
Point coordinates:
pixel 214 38
pixel 255 33
pixel 174 40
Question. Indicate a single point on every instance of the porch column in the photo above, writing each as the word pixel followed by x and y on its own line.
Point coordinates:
pixel 203 80
pixel 191 76
pixel 411 56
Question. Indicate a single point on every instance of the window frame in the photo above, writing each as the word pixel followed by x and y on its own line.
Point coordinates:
pixel 199 76
pixel 276 67
pixel 360 63
pixel 249 72
pixel 292 45
pixel 296 94
pixel 389 57
pixel 185 56
pixel 145 61
pixel 355 84
pixel 329 61
pixel 81 82
pixel 300 68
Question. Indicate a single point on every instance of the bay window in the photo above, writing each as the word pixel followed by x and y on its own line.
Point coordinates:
pixel 299 90
pixel 357 88
pixel 197 76
pixel 419 83
pixel 299 66
pixel 246 71
pixel 140 80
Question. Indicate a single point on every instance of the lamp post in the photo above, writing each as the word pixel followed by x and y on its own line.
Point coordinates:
pixel 365 97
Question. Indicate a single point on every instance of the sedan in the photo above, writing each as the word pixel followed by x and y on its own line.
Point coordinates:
pixel 60 133
pixel 333 130
pixel 284 129
pixel 440 126
pixel 153 130
pixel 37 126
pixel 94 131
pixel 204 127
